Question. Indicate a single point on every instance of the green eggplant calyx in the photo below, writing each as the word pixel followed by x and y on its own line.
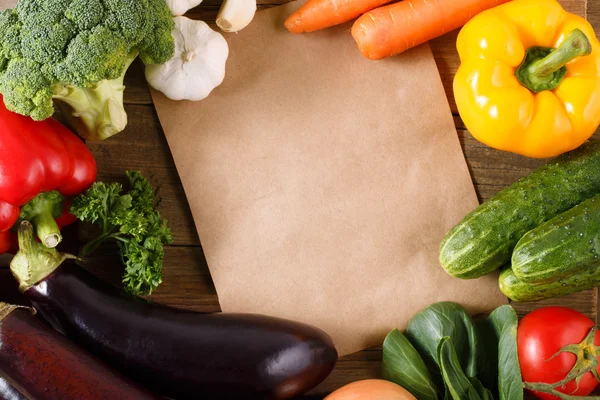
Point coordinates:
pixel 34 261
pixel 6 309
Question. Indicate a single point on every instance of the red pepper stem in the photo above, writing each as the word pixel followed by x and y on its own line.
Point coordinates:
pixel 41 212
pixel 47 230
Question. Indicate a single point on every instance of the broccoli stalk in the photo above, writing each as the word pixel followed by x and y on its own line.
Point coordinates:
pixel 96 113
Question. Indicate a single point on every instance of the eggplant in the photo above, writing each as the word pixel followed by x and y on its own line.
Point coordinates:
pixel 41 364
pixel 177 353
pixel 9 392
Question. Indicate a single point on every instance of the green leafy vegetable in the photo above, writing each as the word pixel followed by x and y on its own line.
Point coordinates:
pixel 483 392
pixel 444 355
pixel 489 352
pixel 504 322
pixel 405 367
pixel 132 220
pixel 457 383
pixel 427 328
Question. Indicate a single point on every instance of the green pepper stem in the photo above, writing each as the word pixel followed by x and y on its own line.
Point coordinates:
pixel 575 45
pixel 544 69
pixel 33 262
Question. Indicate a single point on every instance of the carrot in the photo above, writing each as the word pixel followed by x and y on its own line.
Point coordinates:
pixel 320 14
pixel 392 29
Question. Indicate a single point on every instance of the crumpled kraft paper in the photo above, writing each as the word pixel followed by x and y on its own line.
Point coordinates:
pixel 322 183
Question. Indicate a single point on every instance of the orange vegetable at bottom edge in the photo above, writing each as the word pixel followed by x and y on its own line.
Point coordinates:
pixel 371 389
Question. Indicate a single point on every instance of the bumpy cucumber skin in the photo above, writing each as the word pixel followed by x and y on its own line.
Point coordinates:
pixel 517 290
pixel 483 241
pixel 560 247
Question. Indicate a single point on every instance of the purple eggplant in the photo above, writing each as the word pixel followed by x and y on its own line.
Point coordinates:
pixel 39 363
pixel 177 353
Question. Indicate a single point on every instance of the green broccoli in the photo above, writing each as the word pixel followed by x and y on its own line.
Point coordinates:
pixel 76 52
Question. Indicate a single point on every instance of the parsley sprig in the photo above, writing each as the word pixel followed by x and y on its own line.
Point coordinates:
pixel 132 220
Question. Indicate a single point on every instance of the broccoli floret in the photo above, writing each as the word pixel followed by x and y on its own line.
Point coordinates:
pixel 10 36
pixel 30 92
pixel 86 14
pixel 93 56
pixel 41 12
pixel 45 44
pixel 77 52
pixel 158 47
pixel 132 18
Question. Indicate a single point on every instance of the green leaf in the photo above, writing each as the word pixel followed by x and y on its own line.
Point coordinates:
pixel 457 383
pixel 133 221
pixel 405 367
pixel 141 191
pixel 96 203
pixel 504 322
pixel 481 390
pixel 489 355
pixel 427 328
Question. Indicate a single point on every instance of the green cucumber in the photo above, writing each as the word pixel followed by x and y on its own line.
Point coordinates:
pixel 568 243
pixel 517 290
pixel 483 241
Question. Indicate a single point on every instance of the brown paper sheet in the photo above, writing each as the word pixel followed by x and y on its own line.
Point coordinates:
pixel 321 183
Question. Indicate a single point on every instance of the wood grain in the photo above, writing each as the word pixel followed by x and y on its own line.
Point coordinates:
pixel 187 282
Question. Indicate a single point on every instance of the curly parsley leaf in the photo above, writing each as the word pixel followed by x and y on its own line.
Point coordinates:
pixel 132 220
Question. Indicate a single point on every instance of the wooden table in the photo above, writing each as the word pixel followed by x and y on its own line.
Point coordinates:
pixel 187 282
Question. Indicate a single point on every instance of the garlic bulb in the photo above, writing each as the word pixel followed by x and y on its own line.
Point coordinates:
pixel 198 65
pixel 180 7
pixel 236 14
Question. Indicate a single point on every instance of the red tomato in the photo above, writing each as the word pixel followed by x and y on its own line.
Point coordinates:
pixel 540 335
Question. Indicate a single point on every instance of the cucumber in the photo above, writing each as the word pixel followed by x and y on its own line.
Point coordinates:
pixel 517 290
pixel 483 241
pixel 568 243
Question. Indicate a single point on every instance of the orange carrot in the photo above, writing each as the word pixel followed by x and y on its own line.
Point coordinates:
pixel 319 14
pixel 392 29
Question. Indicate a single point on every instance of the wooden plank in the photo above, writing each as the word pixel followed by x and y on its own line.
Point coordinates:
pixel 186 279
pixel 142 146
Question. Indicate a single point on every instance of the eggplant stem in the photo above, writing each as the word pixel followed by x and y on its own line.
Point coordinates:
pixel 6 309
pixel 34 261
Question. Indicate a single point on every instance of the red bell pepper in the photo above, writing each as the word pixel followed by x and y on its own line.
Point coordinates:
pixel 42 164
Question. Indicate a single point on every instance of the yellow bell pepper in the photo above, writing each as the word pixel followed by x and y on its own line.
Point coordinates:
pixel 529 79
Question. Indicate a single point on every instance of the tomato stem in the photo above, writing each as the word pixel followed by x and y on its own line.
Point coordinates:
pixel 587 354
